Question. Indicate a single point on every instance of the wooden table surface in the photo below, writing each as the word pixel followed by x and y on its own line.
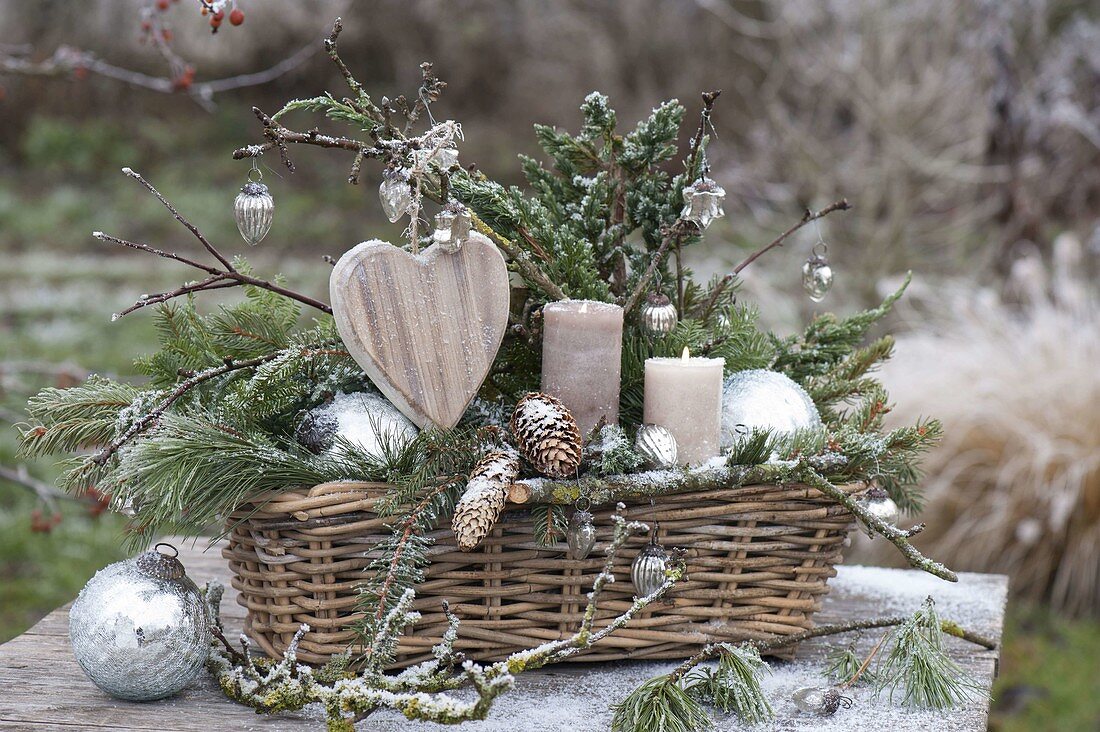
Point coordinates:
pixel 42 687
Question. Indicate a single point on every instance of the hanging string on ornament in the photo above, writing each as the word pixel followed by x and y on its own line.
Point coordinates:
pixel 254 208
pixel 817 275
pixel 581 536
pixel 649 568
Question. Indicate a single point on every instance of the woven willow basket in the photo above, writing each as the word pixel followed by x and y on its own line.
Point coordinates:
pixel 758 560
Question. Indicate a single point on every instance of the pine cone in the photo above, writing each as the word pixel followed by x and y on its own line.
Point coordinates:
pixel 547 435
pixel 482 502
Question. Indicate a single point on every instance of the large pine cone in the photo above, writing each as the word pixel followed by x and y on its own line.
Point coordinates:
pixel 547 435
pixel 483 501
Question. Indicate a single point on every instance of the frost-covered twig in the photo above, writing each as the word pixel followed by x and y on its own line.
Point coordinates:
pixel 227 275
pixel 419 692
pixel 604 490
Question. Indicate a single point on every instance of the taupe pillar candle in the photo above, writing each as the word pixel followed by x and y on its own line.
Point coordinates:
pixel 582 346
pixel 685 395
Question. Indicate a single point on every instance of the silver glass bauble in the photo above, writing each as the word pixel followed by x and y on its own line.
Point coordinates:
pixel 581 536
pixel 446 157
pixel 452 227
pixel 879 504
pixel 140 628
pixel 657 446
pixel 254 210
pixel 648 570
pixel 820 700
pixel 766 400
pixel 658 315
pixel 703 202
pixel 366 423
pixel 395 193
pixel 817 275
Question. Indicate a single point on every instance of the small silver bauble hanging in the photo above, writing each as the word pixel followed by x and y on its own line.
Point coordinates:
pixel 658 315
pixel 140 628
pixel 657 446
pixel 648 570
pixel 581 536
pixel 395 193
pixel 446 157
pixel 254 209
pixel 878 503
pixel 820 700
pixel 703 202
pixel 766 400
pixel 452 227
pixel 817 275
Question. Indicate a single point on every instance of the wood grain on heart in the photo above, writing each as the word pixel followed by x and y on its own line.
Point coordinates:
pixel 424 328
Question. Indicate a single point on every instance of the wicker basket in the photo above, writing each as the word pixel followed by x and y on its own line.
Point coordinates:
pixel 759 558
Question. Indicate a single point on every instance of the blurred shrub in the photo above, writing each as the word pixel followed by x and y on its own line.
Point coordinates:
pixel 86 147
pixel 1015 486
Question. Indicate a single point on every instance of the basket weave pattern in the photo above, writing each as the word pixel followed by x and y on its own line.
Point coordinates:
pixel 758 559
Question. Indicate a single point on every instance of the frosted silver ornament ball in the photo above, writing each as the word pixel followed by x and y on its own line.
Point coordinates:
pixel 368 423
pixel 254 211
pixel 140 628
pixel 765 400
pixel 657 446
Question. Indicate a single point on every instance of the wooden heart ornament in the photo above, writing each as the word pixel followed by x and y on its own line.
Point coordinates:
pixel 424 328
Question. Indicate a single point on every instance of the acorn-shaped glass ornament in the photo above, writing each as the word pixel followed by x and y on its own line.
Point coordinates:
pixel 657 446
pixel 820 701
pixel 648 570
pixel 878 503
pixel 254 209
pixel 396 193
pixel 140 628
pixel 658 315
pixel 581 536
pixel 452 227
pixel 817 275
pixel 703 202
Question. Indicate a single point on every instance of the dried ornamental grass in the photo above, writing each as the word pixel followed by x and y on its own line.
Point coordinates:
pixel 1015 486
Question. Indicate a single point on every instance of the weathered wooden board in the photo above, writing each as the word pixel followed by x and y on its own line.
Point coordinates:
pixel 424 328
pixel 41 685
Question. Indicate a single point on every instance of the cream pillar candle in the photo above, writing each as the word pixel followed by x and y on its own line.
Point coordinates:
pixel 685 395
pixel 582 347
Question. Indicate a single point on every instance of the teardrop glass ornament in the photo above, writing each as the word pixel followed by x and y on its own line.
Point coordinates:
pixel 817 276
pixel 581 536
pixel 395 194
pixel 254 211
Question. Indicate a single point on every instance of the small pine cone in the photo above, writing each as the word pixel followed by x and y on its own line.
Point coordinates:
pixel 482 502
pixel 547 435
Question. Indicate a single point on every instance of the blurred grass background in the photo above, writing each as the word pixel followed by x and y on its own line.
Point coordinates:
pixel 966 134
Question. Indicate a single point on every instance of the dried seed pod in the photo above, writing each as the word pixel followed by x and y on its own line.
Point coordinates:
pixel 547 435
